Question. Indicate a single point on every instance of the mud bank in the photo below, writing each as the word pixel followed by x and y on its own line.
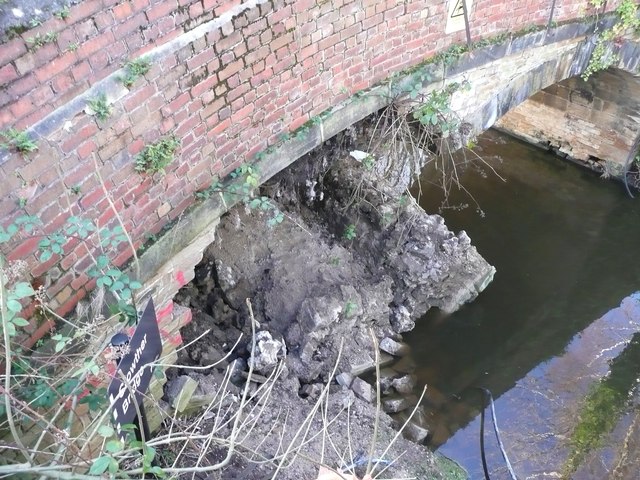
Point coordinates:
pixel 353 265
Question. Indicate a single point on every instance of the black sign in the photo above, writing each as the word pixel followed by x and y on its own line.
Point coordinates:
pixel 144 348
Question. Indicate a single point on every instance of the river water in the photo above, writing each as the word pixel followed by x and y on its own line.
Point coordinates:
pixel 551 326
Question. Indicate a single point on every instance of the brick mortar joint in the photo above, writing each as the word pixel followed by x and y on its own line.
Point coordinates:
pixel 111 83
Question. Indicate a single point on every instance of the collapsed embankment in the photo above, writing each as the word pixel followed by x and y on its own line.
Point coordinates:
pixel 354 261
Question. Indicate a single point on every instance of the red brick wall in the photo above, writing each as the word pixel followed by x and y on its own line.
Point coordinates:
pixel 227 94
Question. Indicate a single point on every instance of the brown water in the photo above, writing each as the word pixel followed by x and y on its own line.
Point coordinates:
pixel 563 242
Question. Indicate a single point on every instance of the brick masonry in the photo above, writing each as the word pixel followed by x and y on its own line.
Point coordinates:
pixel 596 120
pixel 228 78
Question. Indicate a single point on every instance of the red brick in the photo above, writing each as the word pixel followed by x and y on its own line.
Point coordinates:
pixel 84 9
pixel 22 107
pixel 26 248
pixel 161 10
pixel 85 30
pixel 70 304
pixel 138 97
pixel 33 118
pixel 129 26
pixel 81 71
pixel 56 66
pixel 23 85
pixel 91 46
pixel 12 50
pixel 232 68
pixel 104 19
pixel 42 95
pixel 86 149
pixel 8 74
pixel 80 136
pixel 62 83
pixel 201 58
pixel 122 11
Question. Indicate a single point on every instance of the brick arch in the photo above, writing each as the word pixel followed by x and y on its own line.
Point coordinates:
pixel 595 121
pixel 228 78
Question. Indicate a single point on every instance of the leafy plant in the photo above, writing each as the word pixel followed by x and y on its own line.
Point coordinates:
pixel 41 40
pixel 133 69
pixel 18 140
pixel 107 275
pixel 350 308
pixel 265 204
pixel 155 157
pixel 349 232
pixel 100 107
pixel 602 57
pixel 63 13
pixel 215 187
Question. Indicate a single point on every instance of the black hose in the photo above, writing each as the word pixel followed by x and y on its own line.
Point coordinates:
pixel 487 394
pixel 482 454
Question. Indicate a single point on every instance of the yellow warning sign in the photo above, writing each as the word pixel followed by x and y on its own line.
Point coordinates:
pixel 455 15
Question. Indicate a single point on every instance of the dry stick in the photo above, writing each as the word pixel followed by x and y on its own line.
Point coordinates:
pixel 372 449
pixel 7 372
pixel 404 425
pixel 67 431
pixel 262 397
pixel 309 439
pixel 312 412
pixel 234 431
pixel 117 215
pixel 132 393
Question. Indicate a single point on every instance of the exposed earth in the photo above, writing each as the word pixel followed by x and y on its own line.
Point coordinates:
pixel 354 261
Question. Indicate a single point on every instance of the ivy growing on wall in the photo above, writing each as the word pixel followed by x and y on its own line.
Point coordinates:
pixel 602 56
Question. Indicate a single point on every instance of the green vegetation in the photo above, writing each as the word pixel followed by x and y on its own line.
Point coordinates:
pixel 241 184
pixel 31 380
pixel 349 232
pixel 100 106
pixel 602 57
pixel 134 69
pixel 603 406
pixel 155 157
pixel 350 308
pixel 41 40
pixel 18 140
pixel 63 13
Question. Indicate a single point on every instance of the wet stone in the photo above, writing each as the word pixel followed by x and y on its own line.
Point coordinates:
pixel 345 379
pixel 397 404
pixel 401 320
pixel 404 384
pixel 387 376
pixel 415 433
pixel 179 392
pixel 397 349
pixel 363 390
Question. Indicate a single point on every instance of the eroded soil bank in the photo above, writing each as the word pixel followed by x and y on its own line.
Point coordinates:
pixel 354 264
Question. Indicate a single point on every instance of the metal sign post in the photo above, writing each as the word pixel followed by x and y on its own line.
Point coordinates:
pixel 133 374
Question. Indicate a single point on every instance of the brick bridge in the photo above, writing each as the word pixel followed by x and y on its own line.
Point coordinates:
pixel 229 78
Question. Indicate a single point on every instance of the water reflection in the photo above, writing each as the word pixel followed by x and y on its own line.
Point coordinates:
pixel 562 241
